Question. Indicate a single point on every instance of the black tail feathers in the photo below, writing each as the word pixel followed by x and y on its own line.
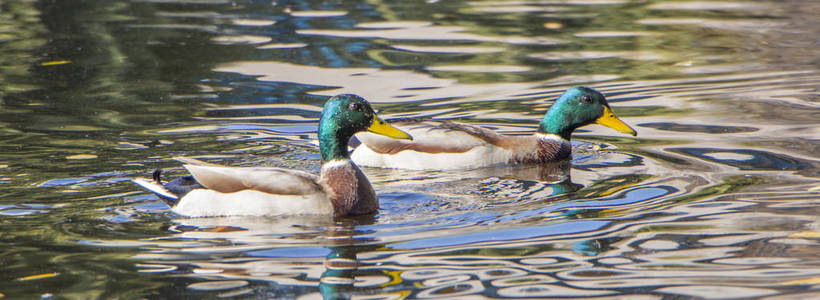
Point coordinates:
pixel 156 176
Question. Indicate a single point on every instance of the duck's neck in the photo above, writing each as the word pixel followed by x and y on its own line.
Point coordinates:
pixel 349 190
pixel 332 148
pixel 333 140
pixel 555 122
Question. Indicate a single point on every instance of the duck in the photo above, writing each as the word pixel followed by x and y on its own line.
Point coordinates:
pixel 341 189
pixel 446 145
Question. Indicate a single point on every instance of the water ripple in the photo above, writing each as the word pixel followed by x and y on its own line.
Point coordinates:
pixel 715 196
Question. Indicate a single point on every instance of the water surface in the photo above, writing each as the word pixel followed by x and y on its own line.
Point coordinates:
pixel 715 198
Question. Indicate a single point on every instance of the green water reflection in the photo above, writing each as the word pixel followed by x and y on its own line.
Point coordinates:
pixel 716 195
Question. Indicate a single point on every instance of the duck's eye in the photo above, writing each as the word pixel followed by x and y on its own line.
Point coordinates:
pixel 586 99
pixel 355 106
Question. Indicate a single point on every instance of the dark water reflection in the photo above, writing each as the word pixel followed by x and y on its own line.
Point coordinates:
pixel 716 197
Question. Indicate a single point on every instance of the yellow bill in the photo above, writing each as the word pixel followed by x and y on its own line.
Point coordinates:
pixel 609 119
pixel 381 127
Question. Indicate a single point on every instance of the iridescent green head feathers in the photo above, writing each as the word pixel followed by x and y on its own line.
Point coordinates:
pixel 343 116
pixel 580 106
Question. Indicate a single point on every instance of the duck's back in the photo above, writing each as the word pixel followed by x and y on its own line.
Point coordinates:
pixel 440 145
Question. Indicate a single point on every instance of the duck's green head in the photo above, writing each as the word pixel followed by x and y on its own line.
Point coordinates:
pixel 345 115
pixel 580 106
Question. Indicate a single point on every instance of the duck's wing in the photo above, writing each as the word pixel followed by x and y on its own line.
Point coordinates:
pixel 277 181
pixel 433 137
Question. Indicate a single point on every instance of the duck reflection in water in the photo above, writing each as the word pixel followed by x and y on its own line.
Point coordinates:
pixel 507 183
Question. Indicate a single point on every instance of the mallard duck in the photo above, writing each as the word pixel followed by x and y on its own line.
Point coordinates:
pixel 341 189
pixel 447 145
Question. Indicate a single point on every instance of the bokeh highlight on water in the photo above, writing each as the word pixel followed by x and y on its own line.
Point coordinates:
pixel 717 197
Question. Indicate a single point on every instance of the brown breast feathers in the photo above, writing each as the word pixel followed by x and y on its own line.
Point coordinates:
pixel 349 190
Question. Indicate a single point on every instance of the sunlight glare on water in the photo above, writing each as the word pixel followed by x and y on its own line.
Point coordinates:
pixel 717 196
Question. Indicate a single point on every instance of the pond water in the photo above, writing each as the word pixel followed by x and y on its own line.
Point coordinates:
pixel 717 196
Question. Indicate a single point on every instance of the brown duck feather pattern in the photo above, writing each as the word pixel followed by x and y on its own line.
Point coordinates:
pixel 349 197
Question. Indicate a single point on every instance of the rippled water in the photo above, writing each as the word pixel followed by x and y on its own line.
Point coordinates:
pixel 717 197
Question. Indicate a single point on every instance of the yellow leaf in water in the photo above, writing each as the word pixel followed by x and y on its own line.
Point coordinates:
pixel 38 276
pixel 3 166
pixel 81 156
pixel 55 62
pixel 553 25
pixel 224 229
pixel 814 280
pixel 805 234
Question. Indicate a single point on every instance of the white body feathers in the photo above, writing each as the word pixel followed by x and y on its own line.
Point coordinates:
pixel 476 157
pixel 210 203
